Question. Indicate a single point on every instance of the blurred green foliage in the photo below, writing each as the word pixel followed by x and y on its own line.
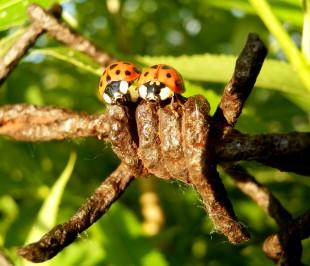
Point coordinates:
pixel 201 39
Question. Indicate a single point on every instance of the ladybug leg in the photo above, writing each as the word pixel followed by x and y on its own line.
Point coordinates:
pixel 176 102
pixel 174 105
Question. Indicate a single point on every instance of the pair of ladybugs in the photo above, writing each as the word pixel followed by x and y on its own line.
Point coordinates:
pixel 123 81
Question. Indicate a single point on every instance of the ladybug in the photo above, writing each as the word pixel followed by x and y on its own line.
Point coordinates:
pixel 115 82
pixel 160 82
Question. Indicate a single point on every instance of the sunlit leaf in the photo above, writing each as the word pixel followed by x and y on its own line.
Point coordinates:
pixel 288 11
pixel 8 210
pixel 7 42
pixel 47 215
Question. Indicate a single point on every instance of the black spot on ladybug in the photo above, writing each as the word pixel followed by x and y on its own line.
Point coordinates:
pixel 168 75
pixel 178 83
pixel 155 66
pixel 166 67
pixel 146 73
pixel 128 73
pixel 113 66
pixel 117 72
pixel 136 70
pixel 108 78
pixel 100 84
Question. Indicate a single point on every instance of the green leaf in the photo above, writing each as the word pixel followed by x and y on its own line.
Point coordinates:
pixel 9 211
pixel 121 233
pixel 291 51
pixel 288 11
pixel 7 42
pixel 71 56
pixel 14 12
pixel 46 218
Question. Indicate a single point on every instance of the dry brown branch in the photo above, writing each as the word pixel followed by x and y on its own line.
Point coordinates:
pixel 24 122
pixel 236 92
pixel 49 22
pixel 201 165
pixel 63 235
pixel 21 47
pixel 149 142
pixel 65 35
pixel 287 152
pixel 122 137
pixel 285 247
pixel 260 194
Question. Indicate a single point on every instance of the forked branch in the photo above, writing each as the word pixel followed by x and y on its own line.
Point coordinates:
pixel 63 235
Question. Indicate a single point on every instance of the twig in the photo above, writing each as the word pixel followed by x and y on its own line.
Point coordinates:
pixel 123 138
pixel 288 152
pixel 236 92
pixel 285 248
pixel 260 194
pixel 170 136
pixel 21 47
pixel 201 164
pixel 64 34
pixel 149 142
pixel 48 21
pixel 63 235
pixel 24 122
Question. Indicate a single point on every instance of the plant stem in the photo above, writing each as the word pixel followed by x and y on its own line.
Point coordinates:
pixel 305 42
pixel 274 26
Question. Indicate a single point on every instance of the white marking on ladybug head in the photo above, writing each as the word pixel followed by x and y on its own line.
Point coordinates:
pixel 123 87
pixel 151 96
pixel 107 98
pixel 143 91
pixel 157 82
pixel 165 93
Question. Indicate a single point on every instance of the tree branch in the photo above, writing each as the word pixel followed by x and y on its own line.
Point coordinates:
pixel 24 122
pixel 285 247
pixel 48 21
pixel 201 165
pixel 21 47
pixel 63 235
pixel 287 152
pixel 259 193
pixel 65 35
pixel 236 92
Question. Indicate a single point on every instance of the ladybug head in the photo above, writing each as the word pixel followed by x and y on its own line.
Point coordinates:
pixel 155 91
pixel 116 92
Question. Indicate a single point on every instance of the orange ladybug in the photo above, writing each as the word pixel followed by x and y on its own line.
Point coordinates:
pixel 116 80
pixel 160 82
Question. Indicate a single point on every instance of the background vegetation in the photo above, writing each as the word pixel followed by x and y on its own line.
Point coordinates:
pixel 201 39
